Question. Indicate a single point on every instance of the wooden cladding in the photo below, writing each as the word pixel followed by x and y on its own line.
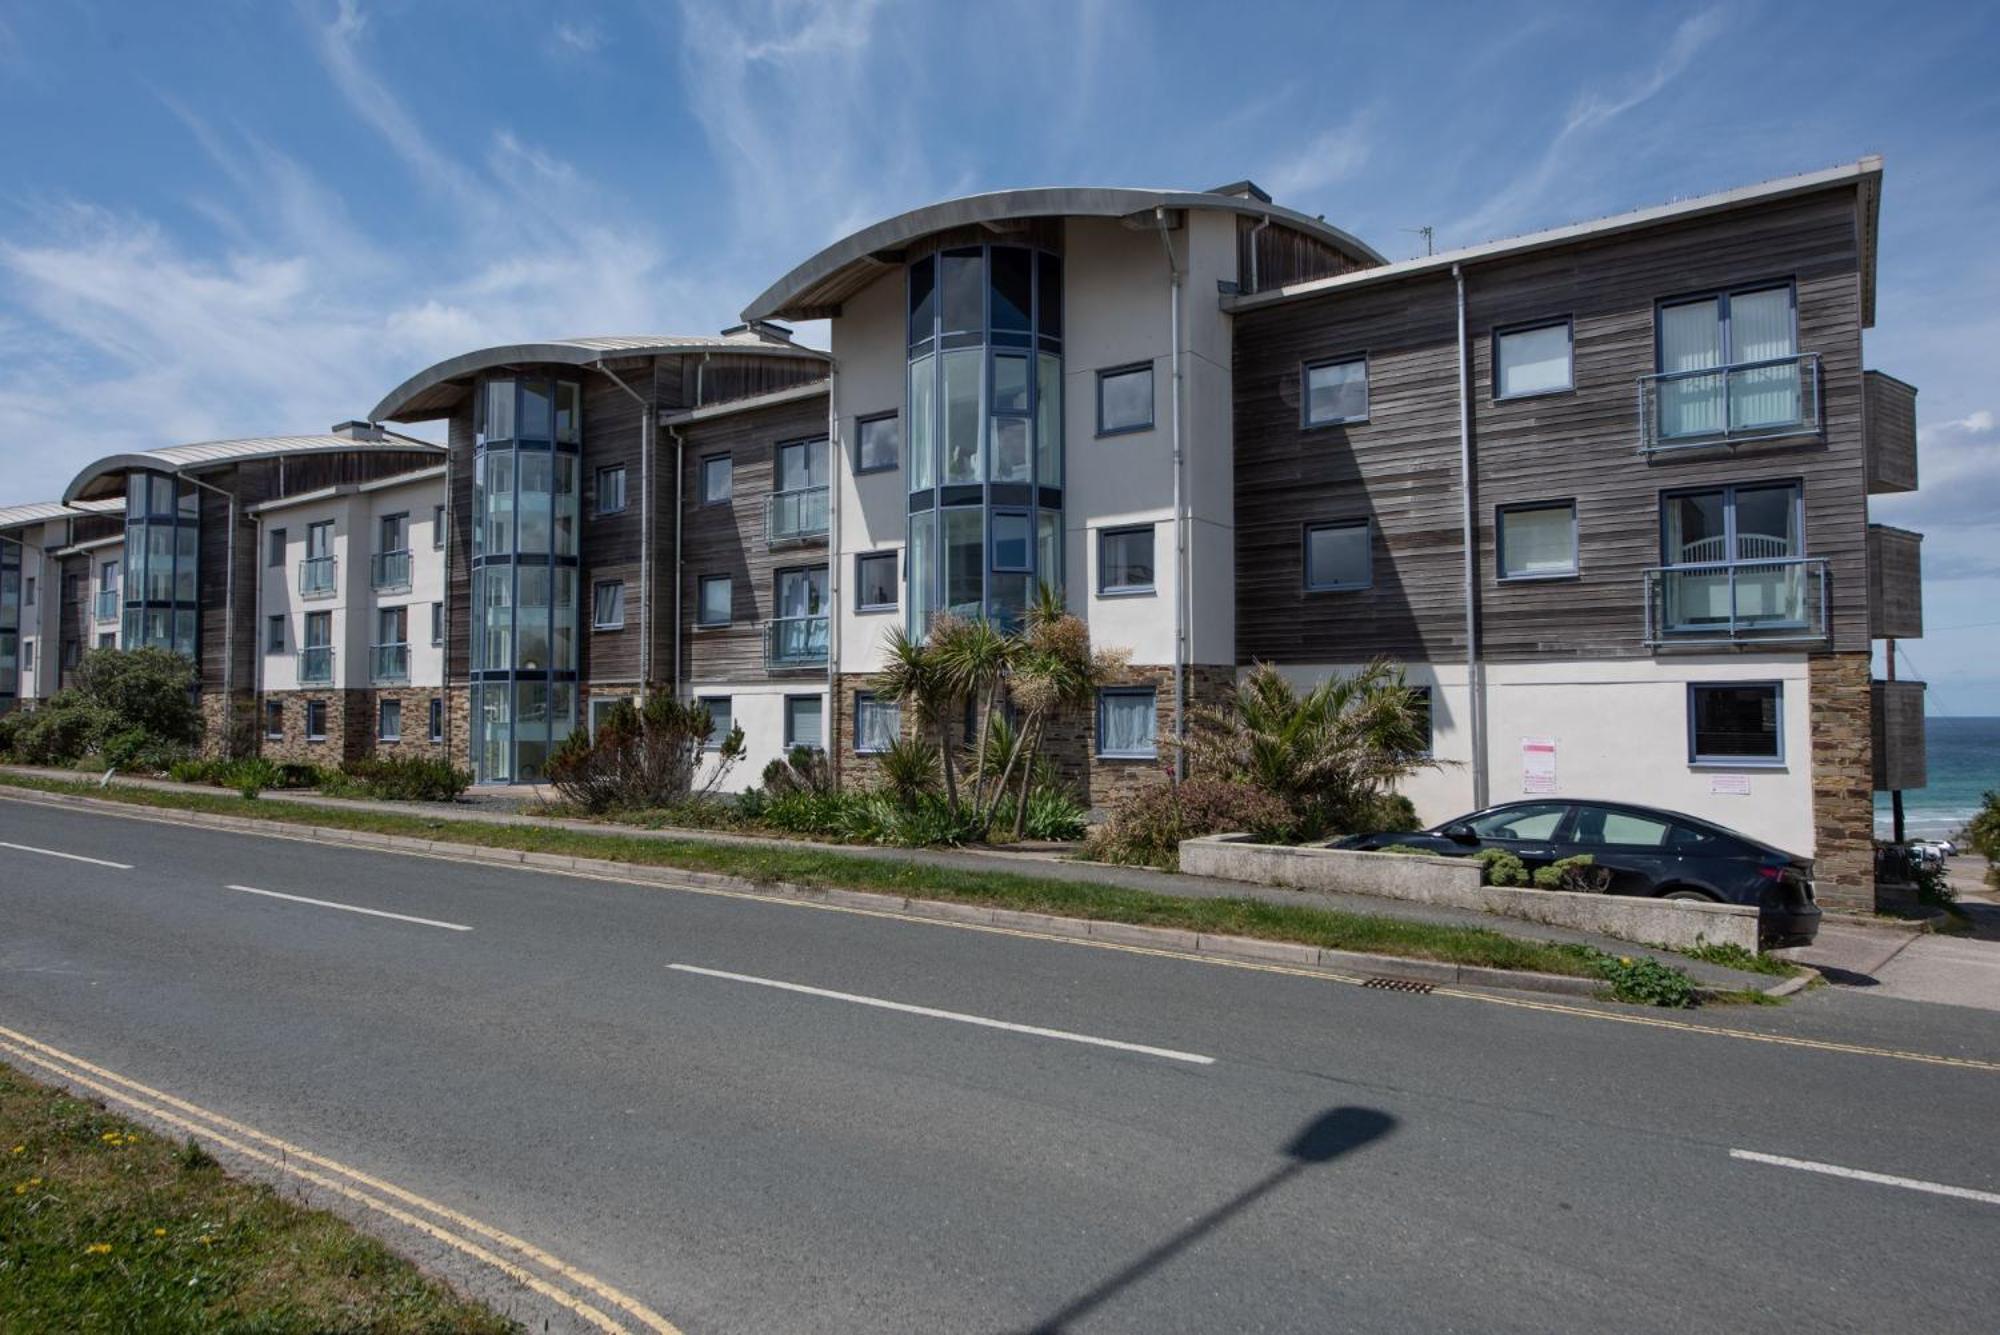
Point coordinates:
pixel 1400 468
pixel 1277 256
pixel 1896 727
pixel 1891 418
pixel 1895 583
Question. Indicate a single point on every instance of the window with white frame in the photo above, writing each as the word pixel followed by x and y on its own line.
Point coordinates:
pixel 875 582
pixel 611 490
pixel 1125 399
pixel 1125 560
pixel 716 605
pixel 1127 722
pixel 721 714
pixel 1335 391
pixel 1538 541
pixel 878 723
pixel 878 443
pixel 1537 359
pixel 1339 556
pixel 607 604
pixel 803 722
pixel 1736 723
pixel 717 479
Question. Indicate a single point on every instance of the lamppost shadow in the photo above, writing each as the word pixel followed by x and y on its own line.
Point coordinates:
pixel 1333 1133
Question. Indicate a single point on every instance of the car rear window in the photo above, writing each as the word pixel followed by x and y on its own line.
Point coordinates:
pixel 1597 826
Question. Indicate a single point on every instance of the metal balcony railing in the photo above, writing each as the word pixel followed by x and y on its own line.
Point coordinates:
pixel 108 605
pixel 1733 602
pixel 316 664
pixel 791 643
pixel 316 577
pixel 1725 404
pixel 389 662
pixel 795 516
pixel 390 570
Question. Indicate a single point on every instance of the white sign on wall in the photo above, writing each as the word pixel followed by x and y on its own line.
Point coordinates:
pixel 1737 785
pixel 1538 764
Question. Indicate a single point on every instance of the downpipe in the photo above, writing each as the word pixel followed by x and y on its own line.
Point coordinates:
pixel 1181 616
pixel 1469 534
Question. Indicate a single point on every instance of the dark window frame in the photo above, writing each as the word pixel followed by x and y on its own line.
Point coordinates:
pixel 1430 697
pixel 701 601
pixel 382 708
pixel 1776 761
pixel 719 734
pixel 877 699
pixel 1500 513
pixel 598 509
pixel 1148 590
pixel 791 739
pixel 1307 422
pixel 274 546
pixel 436 716
pixel 1499 332
pixel 312 707
pixel 1724 295
pixel 861 425
pixel 440 521
pixel 1105 693
pixel 274 709
pixel 1366 523
pixel 1152 398
pixel 595 586
pixel 702 501
pixel 891 554
pixel 276 621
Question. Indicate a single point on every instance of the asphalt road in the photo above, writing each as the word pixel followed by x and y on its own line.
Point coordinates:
pixel 1285 1153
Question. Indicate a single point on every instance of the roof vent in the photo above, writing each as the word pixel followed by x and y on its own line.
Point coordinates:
pixel 1245 189
pixel 359 431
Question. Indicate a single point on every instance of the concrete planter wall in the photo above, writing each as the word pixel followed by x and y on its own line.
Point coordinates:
pixel 1454 882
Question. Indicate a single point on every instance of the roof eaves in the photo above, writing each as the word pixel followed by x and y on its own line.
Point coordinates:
pixel 794 394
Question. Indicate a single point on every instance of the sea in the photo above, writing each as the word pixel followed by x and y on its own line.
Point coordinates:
pixel 1963 757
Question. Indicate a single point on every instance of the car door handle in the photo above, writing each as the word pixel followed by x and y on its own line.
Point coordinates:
pixel 1536 852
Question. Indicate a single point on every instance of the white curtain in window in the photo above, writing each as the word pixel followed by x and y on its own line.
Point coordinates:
pixel 1538 542
pixel 1534 361
pixel 1691 340
pixel 1127 725
pixel 1760 330
pixel 610 609
pixel 879 724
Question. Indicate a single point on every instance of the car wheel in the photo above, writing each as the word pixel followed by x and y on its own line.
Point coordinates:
pixel 1695 896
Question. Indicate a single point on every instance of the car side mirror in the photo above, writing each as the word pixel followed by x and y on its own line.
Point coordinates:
pixel 1460 834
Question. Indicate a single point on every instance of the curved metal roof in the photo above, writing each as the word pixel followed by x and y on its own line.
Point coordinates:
pixel 815 288
pixel 98 481
pixel 36 512
pixel 424 395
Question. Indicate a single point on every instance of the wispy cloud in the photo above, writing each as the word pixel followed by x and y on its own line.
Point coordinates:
pixel 1328 158
pixel 1959 468
pixel 582 38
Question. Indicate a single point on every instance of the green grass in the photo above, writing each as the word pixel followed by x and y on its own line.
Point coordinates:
pixel 1732 956
pixel 104 1226
pixel 825 868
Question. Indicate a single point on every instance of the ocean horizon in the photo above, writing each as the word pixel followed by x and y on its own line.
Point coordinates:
pixel 1963 756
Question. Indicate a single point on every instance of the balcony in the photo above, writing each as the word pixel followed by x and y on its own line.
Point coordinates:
pixel 1895 583
pixel 389 571
pixel 316 577
pixel 107 607
pixel 1727 405
pixel 1896 734
pixel 1889 432
pixel 388 663
pixel 795 516
pixel 795 643
pixel 1737 602
pixel 316 665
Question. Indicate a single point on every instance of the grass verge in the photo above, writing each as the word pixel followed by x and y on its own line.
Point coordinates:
pixel 818 867
pixel 104 1226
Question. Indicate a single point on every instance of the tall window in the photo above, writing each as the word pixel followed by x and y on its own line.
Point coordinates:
pixel 716 606
pixel 1335 391
pixel 875 582
pixel 437 527
pixel 717 479
pixel 1734 558
pixel 526 613
pixel 315 720
pixel 274 634
pixel 1127 723
pixel 392 647
pixel 720 716
pixel 437 719
pixel 392 553
pixel 1338 555
pixel 803 722
pixel 1125 560
pixel 389 727
pixel 274 547
pixel 437 623
pixel 797 507
pixel 274 719
pixel 607 605
pixel 162 607
pixel 878 722
pixel 611 490
pixel 1534 360
pixel 983 437
pixel 1729 363
pixel 1537 541
pixel 316 572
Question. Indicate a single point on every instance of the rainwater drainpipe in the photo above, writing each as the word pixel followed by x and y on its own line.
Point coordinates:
pixel 1180 522
pixel 680 522
pixel 1474 688
pixel 228 615
pixel 1256 232
pixel 444 587
pixel 645 526
pixel 833 563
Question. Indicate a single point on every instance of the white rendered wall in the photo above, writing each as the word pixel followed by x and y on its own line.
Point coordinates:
pixel 1620 728
pixel 760 708
pixel 869 347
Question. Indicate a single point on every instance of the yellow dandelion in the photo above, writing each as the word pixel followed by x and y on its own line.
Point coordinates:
pixel 18 1149
pixel 1624 959
pixel 98 1249
pixel 159 1233
pixel 204 1239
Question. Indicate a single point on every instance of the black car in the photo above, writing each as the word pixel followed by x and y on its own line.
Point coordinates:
pixel 1646 851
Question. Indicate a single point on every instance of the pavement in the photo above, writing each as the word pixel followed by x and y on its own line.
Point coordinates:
pixel 749 1114
pixel 1958 966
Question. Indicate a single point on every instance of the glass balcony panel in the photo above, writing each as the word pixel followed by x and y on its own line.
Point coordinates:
pixel 795 642
pixel 391 662
pixel 1775 397
pixel 316 664
pixel 1744 600
pixel 391 570
pixel 316 577
pixel 795 516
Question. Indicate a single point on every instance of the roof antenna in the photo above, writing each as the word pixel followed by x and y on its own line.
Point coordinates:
pixel 1429 234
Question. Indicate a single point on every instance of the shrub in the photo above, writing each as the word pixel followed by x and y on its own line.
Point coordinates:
pixel 1933 884
pixel 1148 827
pixel 398 779
pixel 642 757
pixel 1983 832
pixel 1645 981
pixel 1499 867
pixel 803 769
pixel 1054 813
pixel 909 768
pixel 1580 873
pixel 133 708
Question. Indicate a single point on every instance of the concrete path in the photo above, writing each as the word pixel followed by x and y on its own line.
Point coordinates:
pixel 765 1116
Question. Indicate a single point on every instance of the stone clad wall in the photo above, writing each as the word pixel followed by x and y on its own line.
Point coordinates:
pixel 1843 768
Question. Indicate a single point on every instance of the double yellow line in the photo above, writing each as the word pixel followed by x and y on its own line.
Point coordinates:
pixel 587 1296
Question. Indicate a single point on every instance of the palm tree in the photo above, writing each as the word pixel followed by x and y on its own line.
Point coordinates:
pixel 911 677
pixel 972 656
pixel 1055 671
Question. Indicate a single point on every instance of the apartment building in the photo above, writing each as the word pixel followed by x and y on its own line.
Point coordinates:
pixel 1602 490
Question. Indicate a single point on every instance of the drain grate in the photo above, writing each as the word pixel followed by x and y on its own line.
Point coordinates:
pixel 1397 985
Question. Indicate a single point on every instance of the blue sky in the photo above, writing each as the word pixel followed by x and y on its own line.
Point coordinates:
pixel 232 218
